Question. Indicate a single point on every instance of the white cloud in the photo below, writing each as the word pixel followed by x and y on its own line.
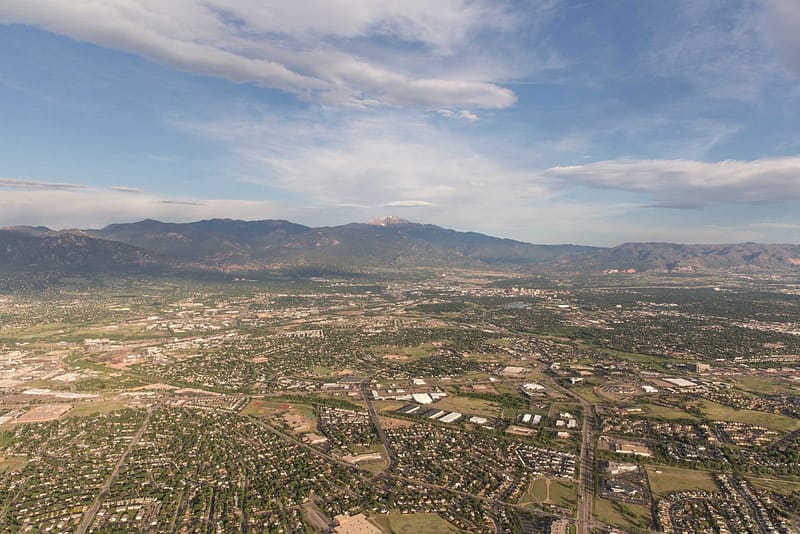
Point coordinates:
pixel 349 52
pixel 13 183
pixel 693 184
pixel 369 160
pixel 718 47
pixel 90 207
pixel 409 204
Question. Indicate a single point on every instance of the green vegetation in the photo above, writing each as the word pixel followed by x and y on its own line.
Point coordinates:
pixel 6 438
pixel 783 487
pixel 319 400
pixel 251 356
pixel 559 492
pixel 664 480
pixel 718 412
pixel 468 404
pixel 398 523
pixel 83 409
pixel 623 515
pixel 669 413
pixel 12 463
pixel 504 400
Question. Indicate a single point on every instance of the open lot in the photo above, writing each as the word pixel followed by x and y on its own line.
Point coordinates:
pixel 45 412
pixel 558 492
pixel 467 405
pixel 622 514
pixel 664 480
pixel 668 413
pixel 91 408
pixel 398 523
pixel 12 463
pixel 718 412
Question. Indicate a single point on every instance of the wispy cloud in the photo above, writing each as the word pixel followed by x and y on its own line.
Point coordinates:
pixel 692 184
pixel 182 202
pixel 719 48
pixel 123 189
pixel 12 183
pixel 336 51
pixel 460 114
pixel 369 160
pixel 409 204
pixel 89 207
pixel 782 24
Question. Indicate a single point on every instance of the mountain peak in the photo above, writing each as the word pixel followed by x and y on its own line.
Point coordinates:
pixel 389 220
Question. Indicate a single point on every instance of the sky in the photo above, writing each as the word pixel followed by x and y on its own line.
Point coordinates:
pixel 547 121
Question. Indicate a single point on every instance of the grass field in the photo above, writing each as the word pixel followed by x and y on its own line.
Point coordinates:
pixel 718 412
pixel 671 479
pixel 413 353
pixel 467 405
pixel 387 406
pixel 83 409
pixel 668 413
pixel 260 408
pixel 12 463
pixel 776 485
pixel 6 438
pixel 562 492
pixel 398 523
pixel 320 370
pixel 587 392
pixel 622 514
pixel 769 386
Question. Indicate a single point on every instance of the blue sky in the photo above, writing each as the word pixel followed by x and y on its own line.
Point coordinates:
pixel 548 121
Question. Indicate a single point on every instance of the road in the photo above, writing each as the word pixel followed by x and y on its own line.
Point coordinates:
pixel 91 512
pixel 586 483
pixel 378 427
pixel 586 475
pixel 530 507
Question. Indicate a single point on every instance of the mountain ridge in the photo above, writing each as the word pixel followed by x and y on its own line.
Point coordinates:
pixel 233 245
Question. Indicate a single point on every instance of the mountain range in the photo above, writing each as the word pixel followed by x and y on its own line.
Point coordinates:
pixel 240 246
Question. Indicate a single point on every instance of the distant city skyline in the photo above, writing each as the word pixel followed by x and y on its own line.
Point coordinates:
pixel 545 121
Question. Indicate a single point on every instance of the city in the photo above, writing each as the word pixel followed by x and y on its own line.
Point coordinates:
pixel 479 402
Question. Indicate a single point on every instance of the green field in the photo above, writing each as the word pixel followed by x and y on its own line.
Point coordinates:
pixel 260 408
pixel 671 479
pixel 92 408
pixel 668 413
pixel 468 405
pixel 769 386
pixel 12 463
pixel 387 406
pixel 587 392
pixel 779 486
pixel 562 492
pixel 622 514
pixel 718 412
pixel 320 370
pixel 6 438
pixel 398 523
pixel 419 351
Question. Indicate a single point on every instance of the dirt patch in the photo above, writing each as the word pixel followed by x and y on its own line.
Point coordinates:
pixel 45 412
pixel 390 423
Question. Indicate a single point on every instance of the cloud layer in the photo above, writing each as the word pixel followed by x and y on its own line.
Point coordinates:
pixel 351 52
pixel 692 184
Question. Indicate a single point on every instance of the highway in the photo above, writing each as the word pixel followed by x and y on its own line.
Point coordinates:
pixel 586 474
pixel 586 480
pixel 91 512
pixel 378 427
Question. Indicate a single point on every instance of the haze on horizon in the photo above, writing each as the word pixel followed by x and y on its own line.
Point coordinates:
pixel 547 121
